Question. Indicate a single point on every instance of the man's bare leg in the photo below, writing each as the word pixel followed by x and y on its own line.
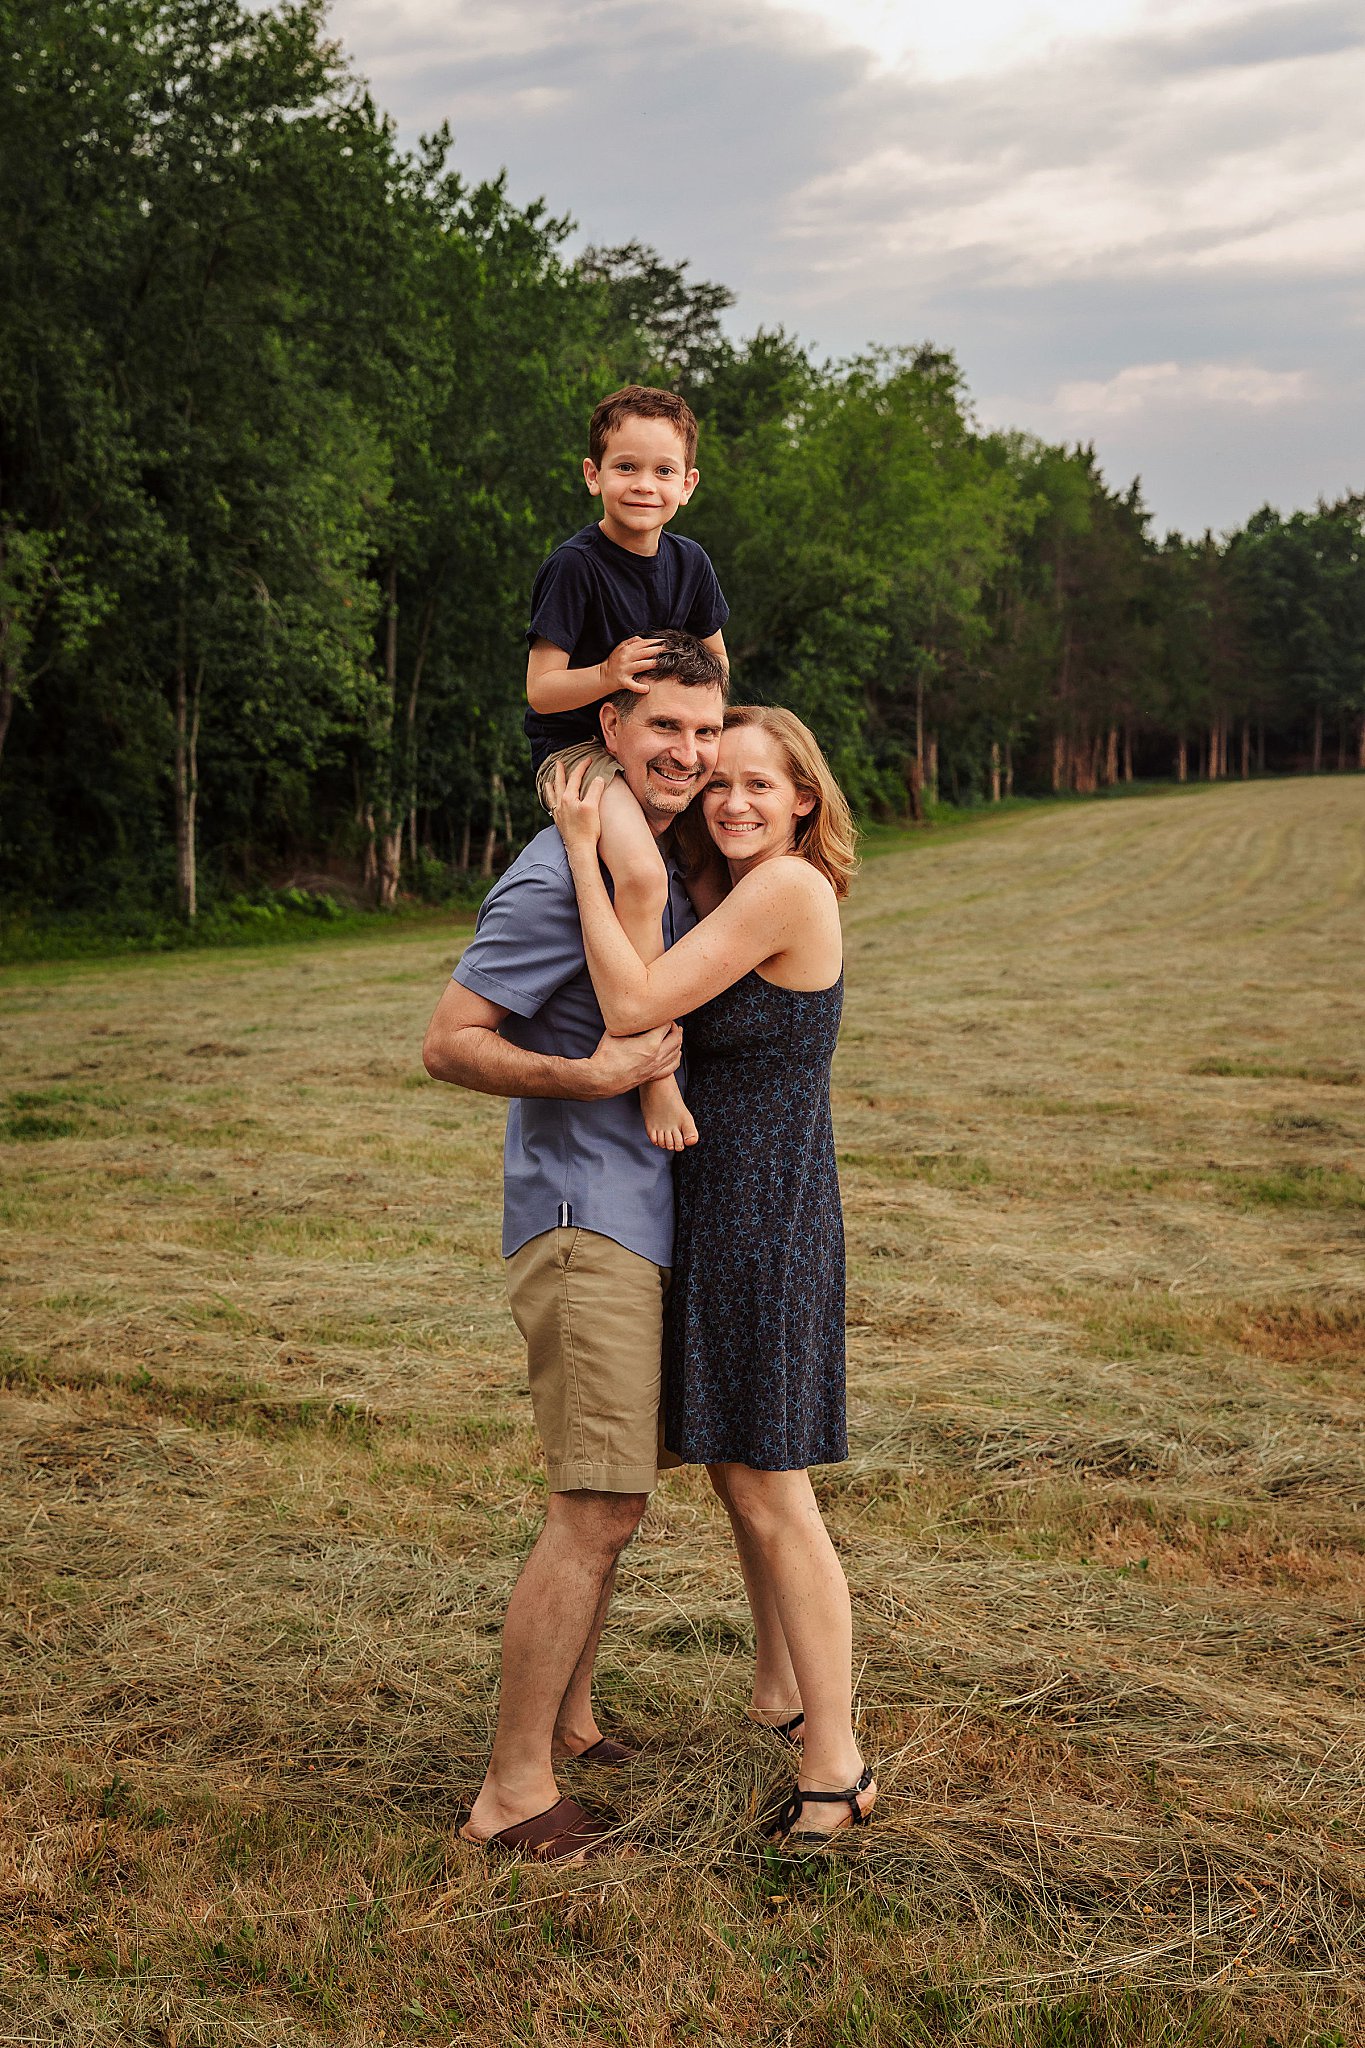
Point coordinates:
pixel 576 1726
pixel 550 1618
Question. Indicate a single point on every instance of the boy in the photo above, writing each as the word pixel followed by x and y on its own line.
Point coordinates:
pixel 595 607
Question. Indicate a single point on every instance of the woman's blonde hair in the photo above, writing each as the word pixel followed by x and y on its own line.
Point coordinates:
pixel 827 836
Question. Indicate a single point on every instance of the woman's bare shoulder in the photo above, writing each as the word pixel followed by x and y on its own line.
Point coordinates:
pixel 787 878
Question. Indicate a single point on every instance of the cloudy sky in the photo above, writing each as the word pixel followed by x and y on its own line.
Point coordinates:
pixel 1137 222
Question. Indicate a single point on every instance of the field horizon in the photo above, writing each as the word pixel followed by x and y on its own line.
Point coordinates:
pixel 1100 1107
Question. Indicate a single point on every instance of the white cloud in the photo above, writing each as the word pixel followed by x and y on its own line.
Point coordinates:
pixel 1107 161
pixel 1141 385
pixel 976 36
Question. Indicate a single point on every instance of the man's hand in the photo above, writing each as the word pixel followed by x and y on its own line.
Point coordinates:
pixel 627 666
pixel 620 1064
pixel 463 1045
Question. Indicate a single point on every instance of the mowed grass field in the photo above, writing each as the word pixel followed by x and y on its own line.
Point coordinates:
pixel 269 1472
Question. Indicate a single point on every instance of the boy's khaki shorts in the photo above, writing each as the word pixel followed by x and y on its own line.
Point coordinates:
pixel 604 766
pixel 592 1316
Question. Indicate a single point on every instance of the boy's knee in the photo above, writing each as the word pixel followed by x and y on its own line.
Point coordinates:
pixel 639 883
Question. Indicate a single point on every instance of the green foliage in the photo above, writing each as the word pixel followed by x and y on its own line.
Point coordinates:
pixel 289 416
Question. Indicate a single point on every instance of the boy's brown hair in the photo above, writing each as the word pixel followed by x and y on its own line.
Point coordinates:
pixel 643 402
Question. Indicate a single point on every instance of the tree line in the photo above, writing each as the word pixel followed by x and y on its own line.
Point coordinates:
pixel 289 415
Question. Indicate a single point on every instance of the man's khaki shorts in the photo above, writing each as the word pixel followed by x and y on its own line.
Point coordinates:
pixel 604 766
pixel 592 1316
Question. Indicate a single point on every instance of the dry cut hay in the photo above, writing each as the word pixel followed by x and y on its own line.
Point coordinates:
pixel 269 1473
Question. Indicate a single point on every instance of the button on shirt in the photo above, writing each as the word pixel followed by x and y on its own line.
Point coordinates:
pixel 588 1164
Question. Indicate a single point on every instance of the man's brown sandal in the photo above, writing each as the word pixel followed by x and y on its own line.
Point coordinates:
pixel 604 1751
pixel 563 1833
pixel 784 1834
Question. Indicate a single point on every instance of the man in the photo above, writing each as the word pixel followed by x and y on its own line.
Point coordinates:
pixel 587 1236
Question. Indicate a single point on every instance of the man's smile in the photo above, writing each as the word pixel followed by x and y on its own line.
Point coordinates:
pixel 675 776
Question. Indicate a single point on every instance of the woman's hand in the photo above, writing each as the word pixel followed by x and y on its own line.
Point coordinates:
pixel 577 811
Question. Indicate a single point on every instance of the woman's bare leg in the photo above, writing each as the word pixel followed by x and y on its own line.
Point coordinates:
pixel 782 1519
pixel 776 1695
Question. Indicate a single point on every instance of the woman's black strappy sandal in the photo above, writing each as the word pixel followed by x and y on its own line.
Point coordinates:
pixel 786 1835
pixel 787 1731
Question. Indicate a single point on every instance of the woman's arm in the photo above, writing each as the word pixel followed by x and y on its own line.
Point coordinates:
pixel 756 921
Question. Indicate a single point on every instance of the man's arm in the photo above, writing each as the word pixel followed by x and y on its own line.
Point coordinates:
pixel 463 1045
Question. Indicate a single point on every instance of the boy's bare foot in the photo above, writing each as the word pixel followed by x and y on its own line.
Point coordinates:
pixel 667 1118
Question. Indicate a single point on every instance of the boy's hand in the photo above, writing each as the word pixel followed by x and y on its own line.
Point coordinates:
pixel 627 666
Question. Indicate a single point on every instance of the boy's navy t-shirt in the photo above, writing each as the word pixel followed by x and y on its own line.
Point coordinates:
pixel 590 595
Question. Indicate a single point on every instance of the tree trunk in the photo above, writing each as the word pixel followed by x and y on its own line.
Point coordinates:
pixel 6 665
pixel 1246 749
pixel 931 767
pixel 1341 747
pixel 387 844
pixel 410 714
pixel 6 702
pixel 1182 761
pixel 1111 757
pixel 995 771
pixel 186 778
pixel 1260 746
pixel 369 869
pixel 1317 742
pixel 491 836
pixel 1058 763
pixel 1085 754
pixel 919 738
pixel 1009 768
pixel 463 862
pixel 1360 744
pixel 1213 752
pixel 389 866
pixel 192 806
pixel 913 777
pixel 1127 753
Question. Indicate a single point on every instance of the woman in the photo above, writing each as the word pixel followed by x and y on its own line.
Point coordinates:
pixel 755 1345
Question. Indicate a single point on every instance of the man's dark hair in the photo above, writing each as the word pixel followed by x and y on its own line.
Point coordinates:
pixel 682 658
pixel 642 402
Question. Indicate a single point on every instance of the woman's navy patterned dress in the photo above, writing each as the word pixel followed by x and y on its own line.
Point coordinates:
pixel 755 1314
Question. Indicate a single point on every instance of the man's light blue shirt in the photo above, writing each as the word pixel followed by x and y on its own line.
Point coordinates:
pixel 588 1164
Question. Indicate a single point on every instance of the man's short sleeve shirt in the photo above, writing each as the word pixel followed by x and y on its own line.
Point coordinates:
pixel 590 595
pixel 588 1164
